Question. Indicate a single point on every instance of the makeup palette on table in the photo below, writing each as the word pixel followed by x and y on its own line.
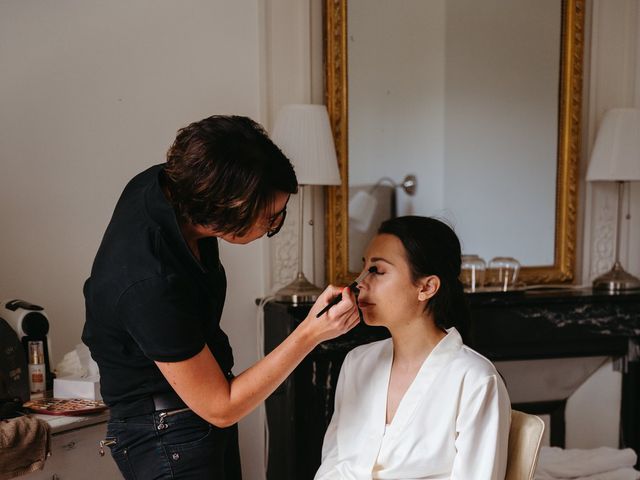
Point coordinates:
pixel 65 406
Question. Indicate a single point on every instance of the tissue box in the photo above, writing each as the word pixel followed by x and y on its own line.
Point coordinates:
pixel 77 387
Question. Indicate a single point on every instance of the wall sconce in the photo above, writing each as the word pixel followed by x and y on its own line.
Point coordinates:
pixel 363 204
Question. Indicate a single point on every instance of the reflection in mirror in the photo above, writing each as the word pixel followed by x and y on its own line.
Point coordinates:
pixel 480 100
pixel 369 207
pixel 464 95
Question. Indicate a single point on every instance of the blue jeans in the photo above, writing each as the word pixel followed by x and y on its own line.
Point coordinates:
pixel 180 446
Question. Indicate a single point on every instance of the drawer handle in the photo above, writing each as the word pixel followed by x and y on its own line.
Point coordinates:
pixel 69 446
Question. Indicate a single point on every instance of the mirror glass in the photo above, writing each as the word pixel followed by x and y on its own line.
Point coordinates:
pixel 463 94
pixel 479 100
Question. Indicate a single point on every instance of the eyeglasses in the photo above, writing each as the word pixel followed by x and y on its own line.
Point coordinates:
pixel 276 222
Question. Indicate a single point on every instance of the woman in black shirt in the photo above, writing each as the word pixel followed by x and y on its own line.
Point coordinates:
pixel 156 293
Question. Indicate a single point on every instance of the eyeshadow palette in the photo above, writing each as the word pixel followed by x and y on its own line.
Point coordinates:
pixel 65 406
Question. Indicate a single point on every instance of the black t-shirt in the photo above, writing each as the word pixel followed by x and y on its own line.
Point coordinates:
pixel 148 298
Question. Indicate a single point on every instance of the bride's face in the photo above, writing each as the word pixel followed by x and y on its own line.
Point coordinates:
pixel 388 295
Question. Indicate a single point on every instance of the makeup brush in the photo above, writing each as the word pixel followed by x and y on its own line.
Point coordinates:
pixel 352 287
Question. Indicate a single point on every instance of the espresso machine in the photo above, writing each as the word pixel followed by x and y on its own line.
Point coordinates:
pixel 31 323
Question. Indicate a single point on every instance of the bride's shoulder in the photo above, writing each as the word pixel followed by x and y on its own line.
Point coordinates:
pixel 474 363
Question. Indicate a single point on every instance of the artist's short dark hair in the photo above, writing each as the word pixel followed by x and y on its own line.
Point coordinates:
pixel 433 248
pixel 223 172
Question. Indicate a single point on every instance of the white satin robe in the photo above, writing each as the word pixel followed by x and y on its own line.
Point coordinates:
pixel 452 423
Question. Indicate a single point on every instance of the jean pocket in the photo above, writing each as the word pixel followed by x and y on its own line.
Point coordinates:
pixel 200 454
pixel 185 430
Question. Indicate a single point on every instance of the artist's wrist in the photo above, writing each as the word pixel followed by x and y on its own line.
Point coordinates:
pixel 307 336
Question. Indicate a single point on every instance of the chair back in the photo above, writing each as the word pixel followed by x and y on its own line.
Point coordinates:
pixel 525 437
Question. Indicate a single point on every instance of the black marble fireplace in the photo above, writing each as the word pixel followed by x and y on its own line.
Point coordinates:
pixel 504 326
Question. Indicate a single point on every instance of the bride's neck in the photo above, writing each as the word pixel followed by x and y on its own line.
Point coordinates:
pixel 414 340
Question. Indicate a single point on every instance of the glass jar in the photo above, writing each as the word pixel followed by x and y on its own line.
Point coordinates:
pixel 503 273
pixel 472 272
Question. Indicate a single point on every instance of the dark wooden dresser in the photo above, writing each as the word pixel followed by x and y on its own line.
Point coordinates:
pixel 504 326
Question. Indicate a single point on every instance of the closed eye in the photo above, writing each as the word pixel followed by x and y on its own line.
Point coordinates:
pixel 375 270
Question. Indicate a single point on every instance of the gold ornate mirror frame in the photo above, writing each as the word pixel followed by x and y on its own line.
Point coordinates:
pixel 569 108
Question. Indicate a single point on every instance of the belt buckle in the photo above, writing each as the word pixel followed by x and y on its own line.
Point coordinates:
pixel 163 417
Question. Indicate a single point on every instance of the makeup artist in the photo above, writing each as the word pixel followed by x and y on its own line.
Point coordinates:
pixel 156 294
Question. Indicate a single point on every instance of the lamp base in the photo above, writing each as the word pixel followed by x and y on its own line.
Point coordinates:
pixel 299 291
pixel 616 280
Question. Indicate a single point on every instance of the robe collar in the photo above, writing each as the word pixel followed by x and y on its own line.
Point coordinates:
pixel 438 359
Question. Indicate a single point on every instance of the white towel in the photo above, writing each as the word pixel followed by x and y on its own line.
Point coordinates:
pixel 620 474
pixel 557 463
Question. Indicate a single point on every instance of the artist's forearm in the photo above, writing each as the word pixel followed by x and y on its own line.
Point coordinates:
pixel 255 384
pixel 201 383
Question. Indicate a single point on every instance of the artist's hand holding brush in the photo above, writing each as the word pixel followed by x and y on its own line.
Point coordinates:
pixel 336 321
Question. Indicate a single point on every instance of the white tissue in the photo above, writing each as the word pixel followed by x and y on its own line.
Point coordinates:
pixel 77 375
pixel 77 363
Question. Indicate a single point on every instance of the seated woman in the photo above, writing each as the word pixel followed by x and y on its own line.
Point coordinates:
pixel 420 405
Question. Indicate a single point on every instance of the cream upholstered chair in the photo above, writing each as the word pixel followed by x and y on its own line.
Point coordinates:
pixel 525 436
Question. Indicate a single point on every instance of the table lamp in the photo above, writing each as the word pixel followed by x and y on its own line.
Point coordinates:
pixel 616 158
pixel 303 133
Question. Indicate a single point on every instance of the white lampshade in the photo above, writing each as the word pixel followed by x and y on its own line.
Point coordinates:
pixel 616 153
pixel 303 133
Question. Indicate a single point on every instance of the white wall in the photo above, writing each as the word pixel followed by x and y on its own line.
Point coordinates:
pixel 92 93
